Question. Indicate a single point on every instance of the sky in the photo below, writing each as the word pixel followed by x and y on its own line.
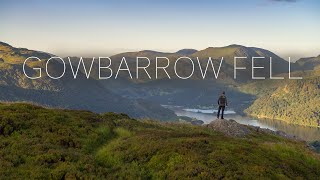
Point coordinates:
pixel 103 28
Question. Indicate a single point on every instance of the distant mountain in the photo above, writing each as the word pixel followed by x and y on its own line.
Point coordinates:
pixel 145 53
pixel 12 55
pixel 309 63
pixel 186 51
pixel 67 92
pixel 175 90
pixel 142 98
pixel 279 65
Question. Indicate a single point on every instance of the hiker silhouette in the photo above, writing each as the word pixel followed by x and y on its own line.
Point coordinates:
pixel 222 102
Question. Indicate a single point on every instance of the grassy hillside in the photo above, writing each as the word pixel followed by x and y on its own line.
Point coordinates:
pixel 50 143
pixel 294 101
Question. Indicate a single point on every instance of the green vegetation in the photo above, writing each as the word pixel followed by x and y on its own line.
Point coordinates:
pixel 40 143
pixel 294 101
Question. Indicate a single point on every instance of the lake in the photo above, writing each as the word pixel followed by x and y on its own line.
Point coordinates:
pixel 305 133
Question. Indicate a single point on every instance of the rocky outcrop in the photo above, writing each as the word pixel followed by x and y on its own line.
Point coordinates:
pixel 229 127
pixel 232 128
pixel 197 122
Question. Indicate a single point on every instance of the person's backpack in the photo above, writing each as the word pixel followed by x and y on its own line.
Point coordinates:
pixel 222 100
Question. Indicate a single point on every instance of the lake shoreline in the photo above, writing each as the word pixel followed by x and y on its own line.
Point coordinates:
pixel 261 117
pixel 307 133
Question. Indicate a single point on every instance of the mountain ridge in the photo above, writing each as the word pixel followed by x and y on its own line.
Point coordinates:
pixel 67 92
pixel 139 94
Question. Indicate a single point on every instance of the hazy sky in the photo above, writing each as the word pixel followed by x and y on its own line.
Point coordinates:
pixel 73 27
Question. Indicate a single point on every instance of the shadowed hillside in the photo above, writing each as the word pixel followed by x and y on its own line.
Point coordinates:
pixel 66 92
pixel 309 63
pixel 293 101
pixel 275 99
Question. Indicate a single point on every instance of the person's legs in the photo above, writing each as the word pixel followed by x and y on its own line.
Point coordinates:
pixel 218 112
pixel 222 108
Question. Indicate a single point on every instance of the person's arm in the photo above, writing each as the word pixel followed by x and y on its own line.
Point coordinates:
pixel 218 100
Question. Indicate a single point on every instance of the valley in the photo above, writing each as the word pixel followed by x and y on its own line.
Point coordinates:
pixel 81 86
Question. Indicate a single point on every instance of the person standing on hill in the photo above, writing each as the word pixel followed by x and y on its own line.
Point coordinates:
pixel 222 102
